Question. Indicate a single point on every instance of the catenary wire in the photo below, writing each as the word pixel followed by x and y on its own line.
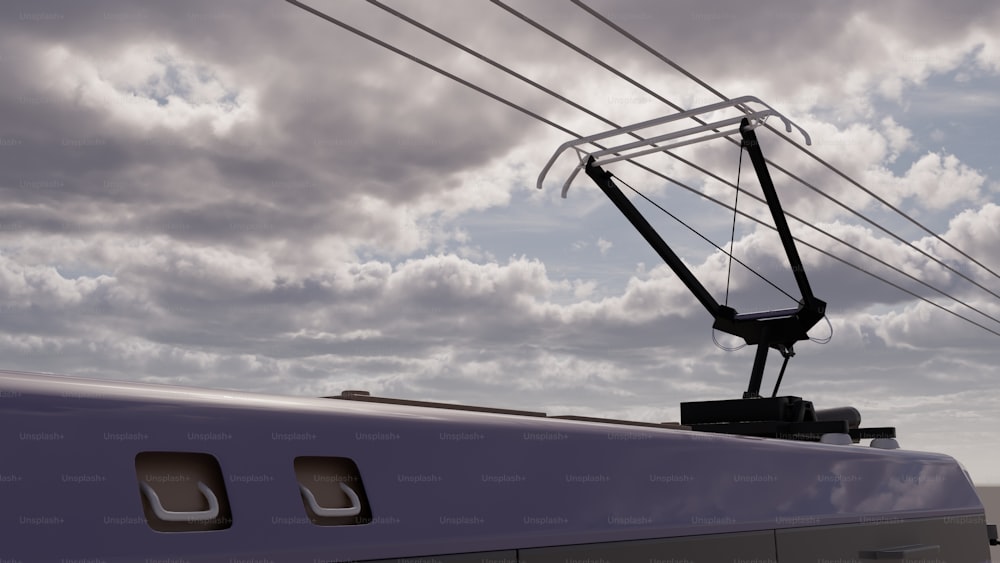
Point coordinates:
pixel 481 90
pixel 508 103
pixel 564 99
pixel 812 155
pixel 428 65
pixel 652 51
pixel 895 236
pixel 732 233
pixel 774 165
pixel 703 237
pixel 800 180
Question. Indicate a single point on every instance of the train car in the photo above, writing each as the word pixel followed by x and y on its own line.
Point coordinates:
pixel 100 470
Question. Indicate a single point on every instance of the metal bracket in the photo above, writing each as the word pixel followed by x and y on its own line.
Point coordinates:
pixel 674 139
pixel 778 329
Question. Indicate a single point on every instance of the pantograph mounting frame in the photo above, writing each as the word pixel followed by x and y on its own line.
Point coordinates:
pixel 779 329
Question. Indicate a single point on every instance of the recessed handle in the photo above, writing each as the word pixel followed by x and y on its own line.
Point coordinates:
pixel 318 510
pixel 182 516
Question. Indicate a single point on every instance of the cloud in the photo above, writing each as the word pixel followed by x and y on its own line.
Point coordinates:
pixel 150 86
pixel 974 230
pixel 245 196
pixel 940 181
pixel 900 138
pixel 604 246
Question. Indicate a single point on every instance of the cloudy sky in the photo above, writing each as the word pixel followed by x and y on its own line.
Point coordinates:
pixel 241 195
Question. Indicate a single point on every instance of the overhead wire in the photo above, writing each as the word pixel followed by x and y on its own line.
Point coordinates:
pixel 732 232
pixel 571 103
pixel 835 257
pixel 671 104
pixel 703 237
pixel 428 65
pixel 608 22
pixel 464 48
pixel 824 232
pixel 577 49
pixel 895 236
pixel 652 51
pixel 542 119
pixel 882 200
pixel 481 90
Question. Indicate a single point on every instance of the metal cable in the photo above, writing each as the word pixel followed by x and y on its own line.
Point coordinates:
pixel 577 106
pixel 704 238
pixel 774 165
pixel 652 51
pixel 640 165
pixel 732 233
pixel 812 155
pixel 430 66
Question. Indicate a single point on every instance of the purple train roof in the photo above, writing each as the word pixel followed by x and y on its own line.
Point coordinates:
pixel 434 480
